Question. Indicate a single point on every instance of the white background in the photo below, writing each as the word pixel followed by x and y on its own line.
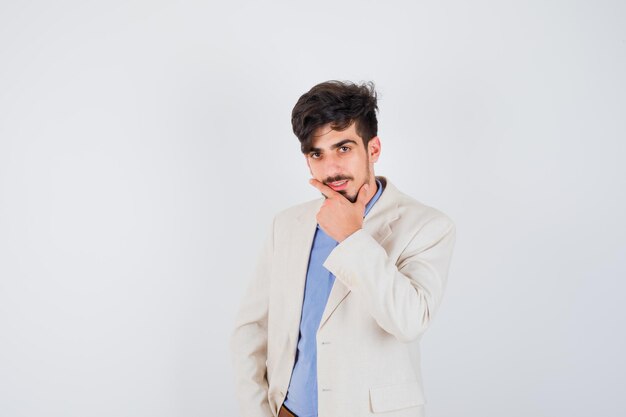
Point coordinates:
pixel 146 145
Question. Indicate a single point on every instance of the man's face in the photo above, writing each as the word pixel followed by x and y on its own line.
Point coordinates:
pixel 340 160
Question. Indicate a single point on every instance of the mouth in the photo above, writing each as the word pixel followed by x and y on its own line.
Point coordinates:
pixel 338 185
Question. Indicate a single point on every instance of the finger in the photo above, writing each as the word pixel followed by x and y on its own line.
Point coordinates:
pixel 362 196
pixel 324 189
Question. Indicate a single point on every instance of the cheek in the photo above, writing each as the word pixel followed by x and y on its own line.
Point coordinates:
pixel 358 166
pixel 314 170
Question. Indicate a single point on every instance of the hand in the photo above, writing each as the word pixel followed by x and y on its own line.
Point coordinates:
pixel 339 217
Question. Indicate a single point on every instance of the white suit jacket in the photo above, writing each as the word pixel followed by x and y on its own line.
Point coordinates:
pixel 390 277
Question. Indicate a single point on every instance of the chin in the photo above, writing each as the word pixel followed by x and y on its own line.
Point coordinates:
pixel 350 197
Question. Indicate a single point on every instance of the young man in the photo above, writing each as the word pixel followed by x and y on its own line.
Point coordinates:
pixel 346 284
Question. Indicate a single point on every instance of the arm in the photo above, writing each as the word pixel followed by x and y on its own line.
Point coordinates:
pixel 401 297
pixel 249 340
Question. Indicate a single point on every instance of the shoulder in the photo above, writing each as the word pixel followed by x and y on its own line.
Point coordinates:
pixel 414 214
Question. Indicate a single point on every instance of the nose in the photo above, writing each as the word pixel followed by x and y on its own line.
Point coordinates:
pixel 332 164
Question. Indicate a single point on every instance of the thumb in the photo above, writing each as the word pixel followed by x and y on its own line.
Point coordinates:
pixel 362 197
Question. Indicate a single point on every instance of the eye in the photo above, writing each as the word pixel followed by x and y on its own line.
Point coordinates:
pixel 344 149
pixel 315 155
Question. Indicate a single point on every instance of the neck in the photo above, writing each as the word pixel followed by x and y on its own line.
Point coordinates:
pixel 373 188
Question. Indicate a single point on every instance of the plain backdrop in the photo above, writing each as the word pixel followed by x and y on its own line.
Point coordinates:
pixel 146 145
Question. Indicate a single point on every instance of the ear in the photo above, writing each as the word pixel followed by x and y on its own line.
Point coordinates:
pixel 373 149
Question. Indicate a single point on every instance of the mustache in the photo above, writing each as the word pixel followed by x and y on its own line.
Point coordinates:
pixel 337 178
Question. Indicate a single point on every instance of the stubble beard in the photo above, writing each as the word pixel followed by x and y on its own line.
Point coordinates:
pixel 352 198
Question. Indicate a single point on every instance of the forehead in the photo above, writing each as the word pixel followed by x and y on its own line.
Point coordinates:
pixel 325 136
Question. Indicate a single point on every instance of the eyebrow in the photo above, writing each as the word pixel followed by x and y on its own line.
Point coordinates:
pixel 335 146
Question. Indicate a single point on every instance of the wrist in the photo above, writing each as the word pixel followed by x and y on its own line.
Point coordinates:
pixel 348 234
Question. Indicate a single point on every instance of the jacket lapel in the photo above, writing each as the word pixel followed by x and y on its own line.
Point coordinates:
pixel 299 249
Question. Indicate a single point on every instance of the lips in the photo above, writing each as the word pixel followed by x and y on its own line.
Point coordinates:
pixel 338 185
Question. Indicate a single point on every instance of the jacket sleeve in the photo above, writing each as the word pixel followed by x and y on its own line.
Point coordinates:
pixel 248 342
pixel 401 296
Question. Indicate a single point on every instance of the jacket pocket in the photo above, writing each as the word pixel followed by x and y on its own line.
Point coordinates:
pixel 396 397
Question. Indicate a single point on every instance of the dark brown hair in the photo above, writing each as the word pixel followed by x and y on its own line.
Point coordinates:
pixel 338 103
